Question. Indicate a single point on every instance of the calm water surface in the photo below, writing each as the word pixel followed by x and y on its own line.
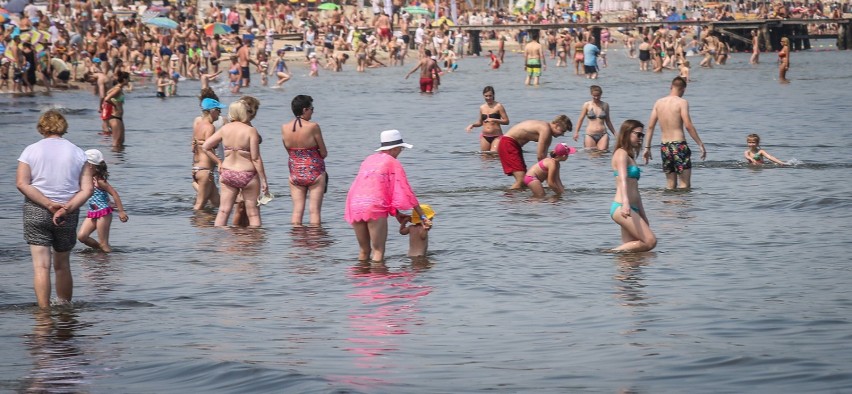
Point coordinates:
pixel 748 289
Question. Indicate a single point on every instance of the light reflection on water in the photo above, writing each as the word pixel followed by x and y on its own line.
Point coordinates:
pixel 747 286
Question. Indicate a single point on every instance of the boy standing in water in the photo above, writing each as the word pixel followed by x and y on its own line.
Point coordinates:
pixel 672 112
pixel 533 59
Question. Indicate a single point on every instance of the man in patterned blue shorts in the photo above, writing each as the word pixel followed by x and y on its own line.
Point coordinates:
pixel 672 112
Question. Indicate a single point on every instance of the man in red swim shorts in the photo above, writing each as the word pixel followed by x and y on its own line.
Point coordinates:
pixel 510 148
pixel 428 68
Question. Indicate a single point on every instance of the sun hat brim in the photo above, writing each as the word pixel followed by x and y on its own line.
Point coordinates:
pixel 389 147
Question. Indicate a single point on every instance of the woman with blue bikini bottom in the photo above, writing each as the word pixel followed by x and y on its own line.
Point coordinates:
pixel 626 208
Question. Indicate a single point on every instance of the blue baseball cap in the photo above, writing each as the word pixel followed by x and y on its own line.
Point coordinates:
pixel 210 104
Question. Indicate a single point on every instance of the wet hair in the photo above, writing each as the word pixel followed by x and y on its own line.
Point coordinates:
pixel 679 83
pixel 595 88
pixel 488 89
pixel 101 170
pixel 52 123
pixel 564 122
pixel 427 52
pixel 623 139
pixel 300 103
pixel 754 137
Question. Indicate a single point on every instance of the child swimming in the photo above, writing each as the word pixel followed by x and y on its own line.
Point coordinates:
pixel 548 169
pixel 755 155
pixel 99 216
pixel 418 235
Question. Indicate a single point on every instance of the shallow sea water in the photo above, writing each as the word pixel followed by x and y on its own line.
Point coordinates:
pixel 747 290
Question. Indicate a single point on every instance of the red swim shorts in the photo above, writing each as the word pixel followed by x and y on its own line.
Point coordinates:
pixel 426 85
pixel 511 155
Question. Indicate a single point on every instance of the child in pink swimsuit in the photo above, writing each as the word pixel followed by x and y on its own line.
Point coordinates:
pixel 548 169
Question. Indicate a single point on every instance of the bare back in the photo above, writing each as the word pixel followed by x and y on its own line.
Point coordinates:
pixel 303 134
pixel 671 113
pixel 533 50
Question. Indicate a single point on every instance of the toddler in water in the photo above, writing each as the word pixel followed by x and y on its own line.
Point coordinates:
pixel 548 169
pixel 263 67
pixel 163 84
pixel 314 65
pixel 755 155
pixel 99 216
pixel 495 61
pixel 684 70
pixel 418 235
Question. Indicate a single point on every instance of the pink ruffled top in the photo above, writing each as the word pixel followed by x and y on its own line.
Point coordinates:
pixel 380 189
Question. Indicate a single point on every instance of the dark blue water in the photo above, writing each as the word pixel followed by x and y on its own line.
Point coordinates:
pixel 747 290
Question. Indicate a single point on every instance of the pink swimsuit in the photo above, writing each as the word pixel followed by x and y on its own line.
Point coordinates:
pixel 529 178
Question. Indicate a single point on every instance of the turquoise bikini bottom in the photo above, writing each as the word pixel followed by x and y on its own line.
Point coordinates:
pixel 615 205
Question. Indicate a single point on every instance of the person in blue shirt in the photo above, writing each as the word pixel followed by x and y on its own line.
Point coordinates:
pixel 590 58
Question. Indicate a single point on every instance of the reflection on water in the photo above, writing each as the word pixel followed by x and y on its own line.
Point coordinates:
pixel 103 270
pixel 629 286
pixel 388 309
pixel 242 241
pixel 58 362
pixel 308 240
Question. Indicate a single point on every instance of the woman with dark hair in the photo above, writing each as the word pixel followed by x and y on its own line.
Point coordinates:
pixel 114 99
pixel 303 141
pixel 55 181
pixel 626 208
pixel 491 115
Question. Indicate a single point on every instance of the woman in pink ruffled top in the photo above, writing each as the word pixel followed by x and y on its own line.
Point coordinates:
pixel 380 189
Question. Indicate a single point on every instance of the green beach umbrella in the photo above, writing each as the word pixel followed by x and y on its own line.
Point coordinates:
pixel 328 6
pixel 414 10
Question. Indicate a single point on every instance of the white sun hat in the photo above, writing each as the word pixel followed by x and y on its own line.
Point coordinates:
pixel 392 139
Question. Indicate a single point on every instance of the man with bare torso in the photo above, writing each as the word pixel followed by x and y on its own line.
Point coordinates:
pixel 533 59
pixel 244 58
pixel 672 112
pixel 428 72
pixel 383 28
pixel 511 143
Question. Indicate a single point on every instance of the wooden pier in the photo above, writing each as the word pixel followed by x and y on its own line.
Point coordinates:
pixel 736 33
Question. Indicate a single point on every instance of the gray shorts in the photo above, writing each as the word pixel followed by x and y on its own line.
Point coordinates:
pixel 40 230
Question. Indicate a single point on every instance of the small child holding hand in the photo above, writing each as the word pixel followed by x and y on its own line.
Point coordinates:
pixel 418 235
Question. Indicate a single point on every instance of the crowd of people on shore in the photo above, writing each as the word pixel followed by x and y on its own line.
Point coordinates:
pixel 93 42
